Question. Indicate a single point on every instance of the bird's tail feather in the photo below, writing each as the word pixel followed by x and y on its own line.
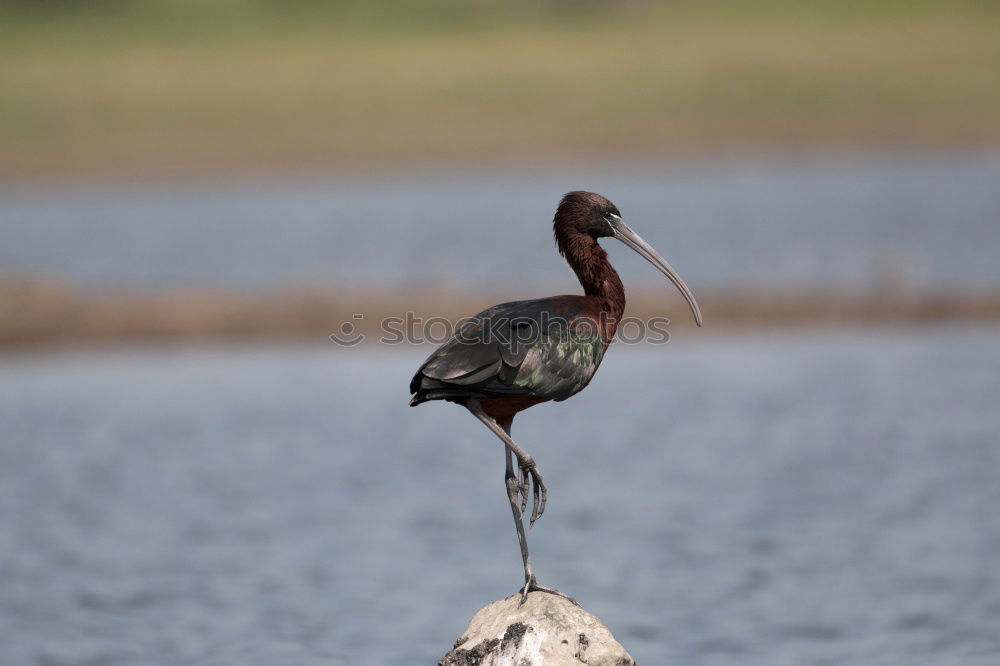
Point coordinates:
pixel 432 389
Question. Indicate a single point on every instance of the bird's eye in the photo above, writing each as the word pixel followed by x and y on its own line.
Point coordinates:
pixel 610 219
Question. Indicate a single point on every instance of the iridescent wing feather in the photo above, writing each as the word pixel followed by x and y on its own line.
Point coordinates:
pixel 547 348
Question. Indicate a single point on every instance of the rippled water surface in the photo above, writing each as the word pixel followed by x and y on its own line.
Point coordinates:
pixel 810 499
pixel 926 222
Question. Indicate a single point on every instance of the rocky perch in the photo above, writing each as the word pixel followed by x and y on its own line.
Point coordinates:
pixel 546 631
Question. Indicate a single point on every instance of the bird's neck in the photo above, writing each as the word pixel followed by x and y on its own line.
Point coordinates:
pixel 599 279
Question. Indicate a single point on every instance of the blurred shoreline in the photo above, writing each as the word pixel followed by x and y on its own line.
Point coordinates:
pixel 150 91
pixel 38 314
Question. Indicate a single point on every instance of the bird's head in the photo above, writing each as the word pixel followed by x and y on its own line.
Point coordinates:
pixel 583 214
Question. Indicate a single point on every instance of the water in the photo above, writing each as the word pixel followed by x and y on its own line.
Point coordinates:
pixel 926 222
pixel 810 499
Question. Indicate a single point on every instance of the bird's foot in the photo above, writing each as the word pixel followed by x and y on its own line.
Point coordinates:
pixel 531 585
pixel 531 477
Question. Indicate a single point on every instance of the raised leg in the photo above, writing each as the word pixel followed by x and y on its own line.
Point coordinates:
pixel 518 489
pixel 525 463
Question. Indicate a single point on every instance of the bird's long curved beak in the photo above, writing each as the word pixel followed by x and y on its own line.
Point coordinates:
pixel 625 234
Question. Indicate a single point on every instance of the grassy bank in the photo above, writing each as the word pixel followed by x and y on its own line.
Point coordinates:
pixel 138 88
pixel 35 315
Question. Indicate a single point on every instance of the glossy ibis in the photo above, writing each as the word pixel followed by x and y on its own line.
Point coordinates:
pixel 519 354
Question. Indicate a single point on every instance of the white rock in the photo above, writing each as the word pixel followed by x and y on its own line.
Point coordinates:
pixel 546 631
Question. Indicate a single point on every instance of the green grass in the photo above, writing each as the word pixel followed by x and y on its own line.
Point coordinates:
pixel 142 87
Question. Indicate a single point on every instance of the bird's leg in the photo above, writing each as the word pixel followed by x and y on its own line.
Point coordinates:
pixel 514 488
pixel 517 484
pixel 525 463
pixel 530 583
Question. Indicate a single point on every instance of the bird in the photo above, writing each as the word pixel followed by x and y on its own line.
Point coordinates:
pixel 516 355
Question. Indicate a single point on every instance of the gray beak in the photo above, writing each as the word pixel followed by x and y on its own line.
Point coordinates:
pixel 625 234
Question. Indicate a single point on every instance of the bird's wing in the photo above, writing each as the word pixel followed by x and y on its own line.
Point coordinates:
pixel 514 349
